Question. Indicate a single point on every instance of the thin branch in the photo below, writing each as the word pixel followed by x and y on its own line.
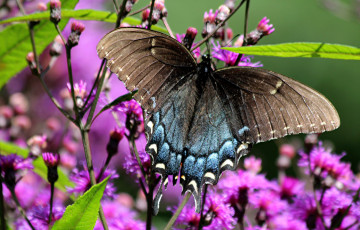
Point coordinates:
pixel 178 211
pixel 218 26
pixel 93 106
pixel 116 6
pixel 202 208
pixel 120 14
pixel 51 200
pixel 2 207
pixel 245 31
pixel 168 27
pixel 139 11
pixel 95 83
pixel 150 15
pixel 20 208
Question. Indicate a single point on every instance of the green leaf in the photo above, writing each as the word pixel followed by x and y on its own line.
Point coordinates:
pixel 86 14
pixel 83 213
pixel 301 49
pixel 16 44
pixel 39 165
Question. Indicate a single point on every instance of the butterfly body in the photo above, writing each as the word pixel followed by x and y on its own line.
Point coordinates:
pixel 200 121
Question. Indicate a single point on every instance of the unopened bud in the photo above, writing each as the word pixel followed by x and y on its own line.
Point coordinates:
pixel 41 6
pixel 116 136
pixel 189 37
pixel 55 11
pixel 230 4
pixel 287 150
pixel 223 13
pixel 19 103
pixel 76 29
pixel 56 46
pixel 37 144
pixel 30 58
pixel 51 161
pixel 310 141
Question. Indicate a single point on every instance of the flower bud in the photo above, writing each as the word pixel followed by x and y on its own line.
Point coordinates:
pixel 36 144
pixel 30 58
pixel 51 161
pixel 56 46
pixel 310 141
pixel 223 12
pixel 189 37
pixel 230 4
pixel 115 137
pixel 80 92
pixel 158 7
pixel 287 150
pixel 264 27
pixel 6 113
pixel 41 6
pixel 55 11
pixel 76 29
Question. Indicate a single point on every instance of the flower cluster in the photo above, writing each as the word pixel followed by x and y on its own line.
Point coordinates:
pixel 250 200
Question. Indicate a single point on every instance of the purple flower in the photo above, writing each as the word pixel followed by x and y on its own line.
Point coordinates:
pixel 286 222
pixel 290 187
pixel 269 204
pixel 327 166
pixel 218 215
pixel 132 167
pixel 252 164
pixel 264 26
pixel 238 185
pixel 10 165
pixel 82 181
pixel 230 57
pixel 119 216
pixel 51 159
pixel 39 217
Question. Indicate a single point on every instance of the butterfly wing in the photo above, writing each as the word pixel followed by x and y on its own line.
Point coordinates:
pixel 271 105
pixel 147 60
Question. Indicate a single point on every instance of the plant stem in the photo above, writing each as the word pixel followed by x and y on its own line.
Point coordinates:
pixel 51 201
pixel 245 31
pixel 218 27
pixel 149 201
pixel 139 11
pixel 93 106
pixel 116 6
pixel 202 207
pixel 56 103
pixel 121 12
pixel 89 163
pixel 133 146
pixel 20 208
pixel 150 15
pixel 95 83
pixel 178 211
pixel 71 80
pixel 168 27
pixel 2 208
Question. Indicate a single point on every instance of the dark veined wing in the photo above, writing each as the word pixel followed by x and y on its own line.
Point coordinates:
pixel 147 60
pixel 271 105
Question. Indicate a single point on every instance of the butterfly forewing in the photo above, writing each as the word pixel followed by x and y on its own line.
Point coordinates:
pixel 146 60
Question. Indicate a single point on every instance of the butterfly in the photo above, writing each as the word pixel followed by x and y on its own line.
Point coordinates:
pixel 200 121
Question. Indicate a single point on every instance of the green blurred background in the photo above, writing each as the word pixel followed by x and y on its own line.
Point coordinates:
pixel 294 21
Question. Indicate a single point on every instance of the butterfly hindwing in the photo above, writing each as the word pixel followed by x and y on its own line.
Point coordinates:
pixel 272 105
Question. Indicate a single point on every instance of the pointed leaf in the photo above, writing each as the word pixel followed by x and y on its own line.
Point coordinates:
pixel 85 14
pixel 83 213
pixel 301 49
pixel 39 165
pixel 15 43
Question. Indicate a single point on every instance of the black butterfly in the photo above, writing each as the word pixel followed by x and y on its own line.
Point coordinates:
pixel 200 121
